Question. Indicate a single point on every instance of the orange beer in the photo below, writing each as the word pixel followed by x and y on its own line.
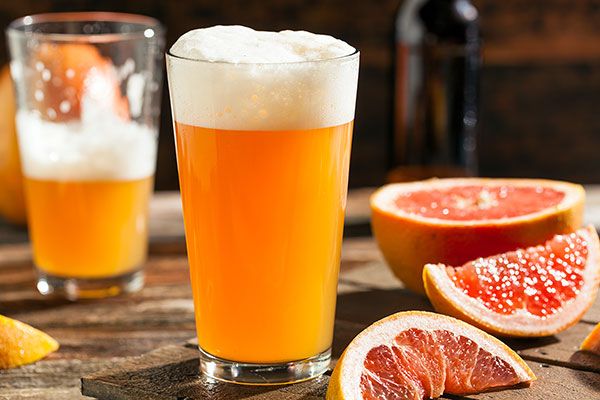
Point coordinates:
pixel 87 188
pixel 263 125
pixel 264 221
pixel 88 229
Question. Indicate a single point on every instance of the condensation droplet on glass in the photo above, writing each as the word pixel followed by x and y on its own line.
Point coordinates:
pixel 149 33
pixel 39 66
pixel 39 95
pixel 46 75
pixel 51 113
pixel 70 73
pixel 65 106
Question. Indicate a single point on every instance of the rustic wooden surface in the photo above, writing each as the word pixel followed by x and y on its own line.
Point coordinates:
pixel 139 341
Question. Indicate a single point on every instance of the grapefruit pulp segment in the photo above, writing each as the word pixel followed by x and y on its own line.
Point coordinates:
pixel 418 355
pixel 537 291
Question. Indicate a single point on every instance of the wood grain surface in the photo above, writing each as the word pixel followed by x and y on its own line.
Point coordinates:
pixel 134 347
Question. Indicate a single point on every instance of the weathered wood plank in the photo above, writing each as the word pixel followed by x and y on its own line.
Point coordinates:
pixel 50 379
pixel 554 383
pixel 593 314
pixel 70 393
pixel 562 349
pixel 172 373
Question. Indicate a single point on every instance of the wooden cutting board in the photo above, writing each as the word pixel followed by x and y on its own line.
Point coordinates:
pixel 367 293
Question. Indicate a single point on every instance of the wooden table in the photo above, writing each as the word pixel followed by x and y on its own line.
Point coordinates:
pixel 96 335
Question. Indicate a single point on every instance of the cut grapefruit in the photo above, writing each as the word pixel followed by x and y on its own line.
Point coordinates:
pixel 419 355
pixel 537 291
pixel 22 344
pixel 592 341
pixel 452 221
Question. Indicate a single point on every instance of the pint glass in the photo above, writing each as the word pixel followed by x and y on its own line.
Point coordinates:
pixel 263 152
pixel 88 97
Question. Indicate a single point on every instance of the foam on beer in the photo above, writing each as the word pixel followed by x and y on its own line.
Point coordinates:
pixel 99 147
pixel 233 77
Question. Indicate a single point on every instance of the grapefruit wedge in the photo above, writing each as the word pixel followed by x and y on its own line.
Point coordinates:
pixel 531 292
pixel 419 355
pixel 452 221
pixel 22 344
pixel 592 341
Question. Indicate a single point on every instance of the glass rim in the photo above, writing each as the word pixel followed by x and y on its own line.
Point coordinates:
pixel 146 22
pixel 354 54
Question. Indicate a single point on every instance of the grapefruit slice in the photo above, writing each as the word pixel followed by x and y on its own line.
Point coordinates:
pixel 592 341
pixel 419 355
pixel 452 221
pixel 537 291
pixel 22 344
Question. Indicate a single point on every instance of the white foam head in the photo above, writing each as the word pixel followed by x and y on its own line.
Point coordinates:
pixel 233 77
pixel 101 150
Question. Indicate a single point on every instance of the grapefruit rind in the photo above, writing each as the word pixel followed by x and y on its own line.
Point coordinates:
pixel 409 241
pixel 450 300
pixel 346 377
pixel 592 342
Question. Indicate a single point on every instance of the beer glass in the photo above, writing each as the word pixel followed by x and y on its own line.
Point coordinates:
pixel 88 98
pixel 263 152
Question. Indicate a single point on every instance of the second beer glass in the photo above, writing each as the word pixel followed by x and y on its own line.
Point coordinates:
pixel 263 149
pixel 88 95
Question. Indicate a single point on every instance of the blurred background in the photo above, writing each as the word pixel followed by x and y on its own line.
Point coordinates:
pixel 540 78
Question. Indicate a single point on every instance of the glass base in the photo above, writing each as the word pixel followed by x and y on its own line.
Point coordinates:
pixel 81 288
pixel 264 374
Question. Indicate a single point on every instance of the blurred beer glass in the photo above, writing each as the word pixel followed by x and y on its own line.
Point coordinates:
pixel 263 147
pixel 88 98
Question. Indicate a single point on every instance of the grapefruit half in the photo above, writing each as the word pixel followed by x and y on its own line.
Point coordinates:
pixel 531 292
pixel 452 221
pixel 418 355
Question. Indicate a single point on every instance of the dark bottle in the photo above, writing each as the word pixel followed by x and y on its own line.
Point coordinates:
pixel 438 50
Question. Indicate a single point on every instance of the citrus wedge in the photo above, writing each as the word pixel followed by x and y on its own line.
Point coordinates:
pixel 419 355
pixel 592 341
pixel 22 344
pixel 537 291
pixel 452 221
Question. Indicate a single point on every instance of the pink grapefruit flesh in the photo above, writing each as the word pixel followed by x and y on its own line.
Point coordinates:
pixel 535 291
pixel 477 202
pixel 420 355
